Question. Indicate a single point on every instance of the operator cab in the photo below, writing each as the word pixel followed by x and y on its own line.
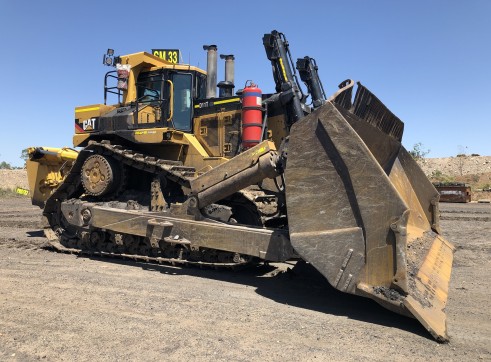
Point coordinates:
pixel 151 93
pixel 171 94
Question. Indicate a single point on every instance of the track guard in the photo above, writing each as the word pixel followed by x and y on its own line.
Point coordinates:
pixel 362 212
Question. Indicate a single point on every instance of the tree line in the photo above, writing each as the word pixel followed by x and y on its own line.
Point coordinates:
pixel 7 166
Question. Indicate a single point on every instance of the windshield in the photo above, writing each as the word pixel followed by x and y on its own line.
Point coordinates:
pixel 160 88
pixel 149 87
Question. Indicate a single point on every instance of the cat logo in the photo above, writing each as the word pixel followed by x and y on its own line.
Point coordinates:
pixel 89 124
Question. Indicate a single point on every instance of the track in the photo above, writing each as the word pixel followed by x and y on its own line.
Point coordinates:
pixel 64 238
pixel 71 187
pixel 57 246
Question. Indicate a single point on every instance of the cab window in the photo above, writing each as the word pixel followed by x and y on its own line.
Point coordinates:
pixel 149 87
pixel 200 86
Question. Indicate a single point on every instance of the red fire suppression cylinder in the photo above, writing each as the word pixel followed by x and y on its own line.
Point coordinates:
pixel 252 116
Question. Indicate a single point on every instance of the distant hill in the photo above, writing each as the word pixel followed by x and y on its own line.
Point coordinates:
pixel 10 179
pixel 474 170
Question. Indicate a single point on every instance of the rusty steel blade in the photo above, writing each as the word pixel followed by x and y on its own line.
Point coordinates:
pixel 362 212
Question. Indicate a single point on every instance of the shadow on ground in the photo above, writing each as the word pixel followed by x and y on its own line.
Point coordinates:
pixel 299 286
pixel 35 234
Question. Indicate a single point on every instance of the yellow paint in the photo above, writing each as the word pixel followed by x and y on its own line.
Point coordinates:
pixel 400 181
pixel 171 100
pixel 436 269
pixel 432 284
pixel 196 155
pixel 44 174
pixel 141 62
pixel 145 132
pixel 22 191
pixel 259 151
pixel 283 70
pixel 78 139
pixel 227 101
pixel 277 129
pixel 196 145
pixel 87 109
pixel 155 135
pixel 55 155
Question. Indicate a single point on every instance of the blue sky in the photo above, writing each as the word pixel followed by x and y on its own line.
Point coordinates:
pixel 428 61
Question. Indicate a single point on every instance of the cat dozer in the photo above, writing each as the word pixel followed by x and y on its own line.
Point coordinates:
pixel 174 173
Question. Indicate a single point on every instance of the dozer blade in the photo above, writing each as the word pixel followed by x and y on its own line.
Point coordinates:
pixel 363 213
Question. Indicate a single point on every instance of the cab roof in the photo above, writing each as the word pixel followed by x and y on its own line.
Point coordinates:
pixel 153 62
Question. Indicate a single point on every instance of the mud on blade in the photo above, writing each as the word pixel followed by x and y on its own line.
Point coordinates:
pixel 363 213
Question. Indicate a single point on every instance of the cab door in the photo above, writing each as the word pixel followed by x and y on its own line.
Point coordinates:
pixel 180 87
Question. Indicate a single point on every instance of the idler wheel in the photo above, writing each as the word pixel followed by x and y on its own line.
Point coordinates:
pixel 100 175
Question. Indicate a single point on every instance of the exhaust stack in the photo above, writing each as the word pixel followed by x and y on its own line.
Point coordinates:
pixel 226 88
pixel 211 69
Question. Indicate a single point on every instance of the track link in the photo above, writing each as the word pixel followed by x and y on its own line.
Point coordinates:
pixel 72 188
pixel 57 246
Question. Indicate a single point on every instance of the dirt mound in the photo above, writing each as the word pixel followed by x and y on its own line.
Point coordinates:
pixel 456 166
pixel 10 179
pixel 473 170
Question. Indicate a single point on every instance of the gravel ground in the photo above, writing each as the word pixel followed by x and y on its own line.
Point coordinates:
pixel 62 307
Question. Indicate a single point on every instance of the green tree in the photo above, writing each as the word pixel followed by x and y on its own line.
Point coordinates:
pixel 418 152
pixel 5 166
pixel 24 154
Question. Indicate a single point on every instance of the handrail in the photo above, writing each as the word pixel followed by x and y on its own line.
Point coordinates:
pixel 171 101
pixel 110 89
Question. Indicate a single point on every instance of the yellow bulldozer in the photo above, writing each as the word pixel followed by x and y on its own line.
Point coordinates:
pixel 174 173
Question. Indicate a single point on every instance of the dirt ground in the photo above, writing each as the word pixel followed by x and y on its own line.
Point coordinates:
pixel 66 308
